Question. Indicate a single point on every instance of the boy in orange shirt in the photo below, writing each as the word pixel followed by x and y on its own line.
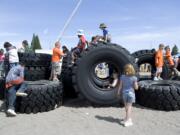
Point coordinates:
pixel 56 57
pixel 159 62
pixel 170 61
pixel 169 57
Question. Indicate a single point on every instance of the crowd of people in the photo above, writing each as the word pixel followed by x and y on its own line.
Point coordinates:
pixel 16 86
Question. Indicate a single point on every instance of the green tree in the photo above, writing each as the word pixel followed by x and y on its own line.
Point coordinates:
pixel 35 43
pixel 174 50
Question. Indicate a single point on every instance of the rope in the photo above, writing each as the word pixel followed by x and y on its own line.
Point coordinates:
pixel 69 20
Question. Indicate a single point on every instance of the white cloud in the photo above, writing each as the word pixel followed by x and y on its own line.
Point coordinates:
pixel 5 34
pixel 45 31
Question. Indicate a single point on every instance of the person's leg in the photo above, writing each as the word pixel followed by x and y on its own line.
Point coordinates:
pixel 130 100
pixel 11 97
pixel 22 87
pixel 21 90
pixel 160 72
pixel 129 110
pixel 125 106
pixel 56 71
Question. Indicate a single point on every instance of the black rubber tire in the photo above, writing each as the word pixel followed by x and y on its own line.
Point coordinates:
pixel 36 73
pixel 160 95
pixel 42 96
pixel 2 88
pixel 35 59
pixel 178 68
pixel 66 77
pixel 84 79
pixel 148 56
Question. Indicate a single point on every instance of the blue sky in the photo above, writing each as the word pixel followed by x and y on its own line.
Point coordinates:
pixel 134 24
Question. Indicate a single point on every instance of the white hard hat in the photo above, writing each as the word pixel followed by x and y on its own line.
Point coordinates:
pixel 80 32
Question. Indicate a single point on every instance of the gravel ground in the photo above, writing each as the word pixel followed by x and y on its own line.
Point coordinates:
pixel 77 117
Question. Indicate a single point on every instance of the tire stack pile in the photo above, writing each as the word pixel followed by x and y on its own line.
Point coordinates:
pixel 37 66
pixel 66 76
pixel 159 95
pixel 43 95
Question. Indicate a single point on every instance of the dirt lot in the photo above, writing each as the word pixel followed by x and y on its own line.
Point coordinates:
pixel 77 117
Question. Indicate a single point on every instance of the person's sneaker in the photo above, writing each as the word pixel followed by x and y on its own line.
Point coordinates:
pixel 128 123
pixel 11 112
pixel 156 79
pixel 21 94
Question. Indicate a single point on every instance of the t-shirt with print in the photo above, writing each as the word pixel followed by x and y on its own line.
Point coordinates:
pixel 128 83
pixel 15 73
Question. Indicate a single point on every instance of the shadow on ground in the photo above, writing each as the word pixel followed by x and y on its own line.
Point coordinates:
pixel 110 119
pixel 82 102
pixel 2 106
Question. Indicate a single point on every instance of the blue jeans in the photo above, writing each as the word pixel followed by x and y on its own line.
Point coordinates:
pixel 129 97
pixel 11 65
pixel 11 94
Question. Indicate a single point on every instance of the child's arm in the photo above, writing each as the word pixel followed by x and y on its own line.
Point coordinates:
pixel 120 87
pixel 136 85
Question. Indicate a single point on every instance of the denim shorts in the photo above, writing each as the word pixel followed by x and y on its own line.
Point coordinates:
pixel 129 97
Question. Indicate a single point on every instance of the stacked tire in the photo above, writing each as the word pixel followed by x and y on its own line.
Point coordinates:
pixel 37 66
pixel 66 76
pixel 42 96
pixel 160 95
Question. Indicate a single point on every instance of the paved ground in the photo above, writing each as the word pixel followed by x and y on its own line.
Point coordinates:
pixel 77 117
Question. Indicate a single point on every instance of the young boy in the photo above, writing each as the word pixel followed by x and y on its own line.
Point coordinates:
pixel 168 56
pixel 128 82
pixel 80 46
pixel 159 62
pixel 56 57
pixel 103 27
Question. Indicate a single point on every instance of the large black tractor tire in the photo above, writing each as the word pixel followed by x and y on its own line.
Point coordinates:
pixel 85 79
pixel 35 59
pixel 160 95
pixel 148 56
pixel 42 96
pixel 2 88
pixel 37 73
pixel 66 77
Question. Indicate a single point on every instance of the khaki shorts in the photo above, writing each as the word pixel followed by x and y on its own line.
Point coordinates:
pixel 56 68
pixel 159 70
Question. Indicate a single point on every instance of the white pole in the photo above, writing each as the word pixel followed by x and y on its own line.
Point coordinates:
pixel 69 20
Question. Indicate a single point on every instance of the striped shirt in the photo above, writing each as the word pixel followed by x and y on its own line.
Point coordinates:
pixel 15 73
